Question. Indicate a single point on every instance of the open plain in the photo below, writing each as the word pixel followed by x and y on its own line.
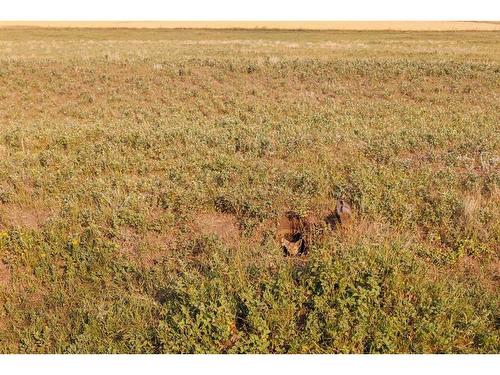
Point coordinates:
pixel 143 173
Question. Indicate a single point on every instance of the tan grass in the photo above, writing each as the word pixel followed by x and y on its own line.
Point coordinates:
pixel 306 25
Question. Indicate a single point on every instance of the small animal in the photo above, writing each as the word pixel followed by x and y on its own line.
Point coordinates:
pixel 293 248
pixel 343 212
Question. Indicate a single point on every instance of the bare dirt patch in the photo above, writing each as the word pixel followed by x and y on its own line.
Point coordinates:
pixel 5 275
pixel 24 217
pixel 128 242
pixel 146 248
pixel 156 246
pixel 224 226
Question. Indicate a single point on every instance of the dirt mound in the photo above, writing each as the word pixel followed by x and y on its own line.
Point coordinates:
pixel 295 233
pixel 222 225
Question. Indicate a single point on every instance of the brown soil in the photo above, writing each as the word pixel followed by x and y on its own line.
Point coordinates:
pixel 25 217
pixel 156 246
pixel 5 275
pixel 295 233
pixel 222 225
pixel 289 225
pixel 128 240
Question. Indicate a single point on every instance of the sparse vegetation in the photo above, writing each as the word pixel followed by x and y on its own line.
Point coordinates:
pixel 143 173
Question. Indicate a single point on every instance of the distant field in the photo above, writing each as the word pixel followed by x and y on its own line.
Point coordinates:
pixel 143 174
pixel 305 25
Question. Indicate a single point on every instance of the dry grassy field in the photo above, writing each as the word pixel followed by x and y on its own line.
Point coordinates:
pixel 287 25
pixel 143 174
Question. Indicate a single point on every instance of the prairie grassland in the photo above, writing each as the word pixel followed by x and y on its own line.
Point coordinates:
pixel 142 173
pixel 287 25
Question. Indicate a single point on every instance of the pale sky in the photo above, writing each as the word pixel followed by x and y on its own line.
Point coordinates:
pixel 250 10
